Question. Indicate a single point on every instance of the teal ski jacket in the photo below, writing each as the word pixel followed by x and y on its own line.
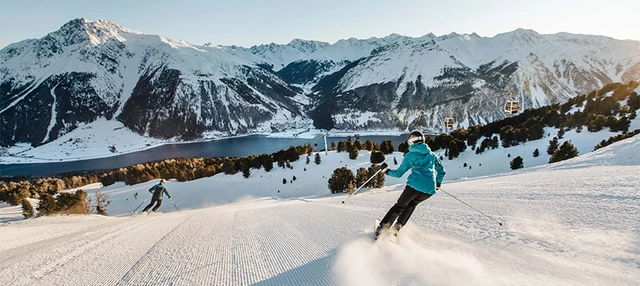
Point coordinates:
pixel 159 189
pixel 426 169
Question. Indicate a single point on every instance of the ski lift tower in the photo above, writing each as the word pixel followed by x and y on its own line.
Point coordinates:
pixel 324 134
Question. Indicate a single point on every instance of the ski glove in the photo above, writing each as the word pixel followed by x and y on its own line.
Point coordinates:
pixel 385 167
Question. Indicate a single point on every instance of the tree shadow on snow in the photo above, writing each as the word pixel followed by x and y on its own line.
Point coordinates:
pixel 6 220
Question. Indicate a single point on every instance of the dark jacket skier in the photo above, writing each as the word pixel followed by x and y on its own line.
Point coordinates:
pixel 157 191
pixel 426 176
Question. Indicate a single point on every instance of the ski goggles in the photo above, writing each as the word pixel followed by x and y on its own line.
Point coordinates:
pixel 413 140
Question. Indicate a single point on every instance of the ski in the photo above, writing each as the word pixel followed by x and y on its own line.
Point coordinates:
pixel 394 235
pixel 390 233
pixel 375 228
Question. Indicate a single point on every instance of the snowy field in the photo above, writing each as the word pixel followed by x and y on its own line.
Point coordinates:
pixel 570 223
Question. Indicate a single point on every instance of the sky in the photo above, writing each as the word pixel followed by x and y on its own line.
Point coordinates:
pixel 252 22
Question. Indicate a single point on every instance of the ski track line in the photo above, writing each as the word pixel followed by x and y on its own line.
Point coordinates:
pixel 87 247
pixel 206 252
pixel 95 257
pixel 29 242
pixel 263 246
pixel 275 240
pixel 18 252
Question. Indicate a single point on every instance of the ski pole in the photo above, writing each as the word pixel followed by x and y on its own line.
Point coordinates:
pixel 174 204
pixel 354 192
pixel 142 203
pixel 471 206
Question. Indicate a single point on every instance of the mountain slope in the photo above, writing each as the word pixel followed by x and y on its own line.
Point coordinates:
pixel 560 221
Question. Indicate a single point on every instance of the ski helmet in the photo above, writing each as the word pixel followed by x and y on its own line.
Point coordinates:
pixel 415 137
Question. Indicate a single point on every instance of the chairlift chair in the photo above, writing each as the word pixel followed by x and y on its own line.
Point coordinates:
pixel 448 122
pixel 512 106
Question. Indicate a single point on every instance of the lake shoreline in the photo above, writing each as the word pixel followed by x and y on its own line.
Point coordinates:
pixel 10 158
pixel 239 146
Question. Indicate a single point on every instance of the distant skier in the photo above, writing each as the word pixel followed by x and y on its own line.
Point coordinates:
pixel 157 191
pixel 426 176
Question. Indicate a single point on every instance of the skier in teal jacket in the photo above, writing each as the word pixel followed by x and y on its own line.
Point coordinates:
pixel 157 190
pixel 426 176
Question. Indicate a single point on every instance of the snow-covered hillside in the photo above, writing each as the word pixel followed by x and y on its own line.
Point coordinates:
pixel 568 223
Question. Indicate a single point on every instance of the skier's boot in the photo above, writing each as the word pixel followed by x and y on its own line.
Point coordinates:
pixel 379 230
pixel 396 228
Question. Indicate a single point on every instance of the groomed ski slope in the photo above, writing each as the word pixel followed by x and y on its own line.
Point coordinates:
pixel 569 223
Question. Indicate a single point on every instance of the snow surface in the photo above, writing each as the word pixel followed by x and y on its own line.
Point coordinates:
pixel 570 223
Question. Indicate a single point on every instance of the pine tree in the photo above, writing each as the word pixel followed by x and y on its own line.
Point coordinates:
pixel 553 146
pixel 403 147
pixel 27 209
pixel 353 153
pixel 73 203
pixel 378 180
pixel 246 172
pixel 560 133
pixel 566 151
pixel 342 146
pixel 516 163
pixel 368 145
pixel 267 162
pixel 361 176
pixel 376 157
pixel 453 150
pixel 536 153
pixel 357 144
pixel 340 179
pixel 387 147
pixel 350 145
pixel 47 205
pixel 536 132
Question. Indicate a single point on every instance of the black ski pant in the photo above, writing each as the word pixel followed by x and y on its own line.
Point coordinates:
pixel 405 206
pixel 153 201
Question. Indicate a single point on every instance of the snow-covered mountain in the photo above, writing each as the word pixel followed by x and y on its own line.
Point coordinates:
pixel 419 82
pixel 155 86
pixel 163 88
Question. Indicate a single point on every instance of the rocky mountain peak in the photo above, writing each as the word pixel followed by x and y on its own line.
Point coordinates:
pixel 82 30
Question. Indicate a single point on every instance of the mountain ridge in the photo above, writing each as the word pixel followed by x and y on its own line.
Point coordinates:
pixel 164 88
